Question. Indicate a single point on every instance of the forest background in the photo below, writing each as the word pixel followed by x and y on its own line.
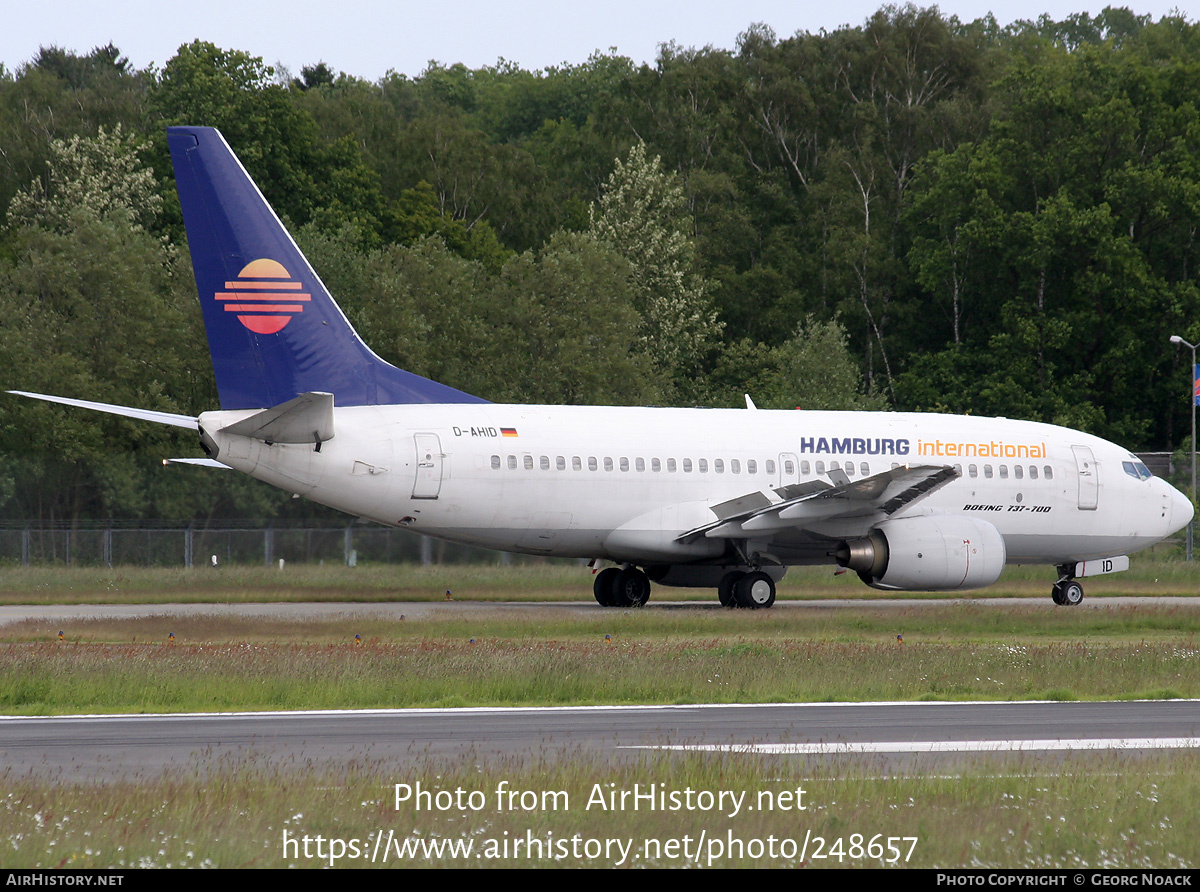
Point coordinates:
pixel 915 214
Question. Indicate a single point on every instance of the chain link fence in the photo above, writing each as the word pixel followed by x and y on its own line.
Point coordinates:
pixel 187 544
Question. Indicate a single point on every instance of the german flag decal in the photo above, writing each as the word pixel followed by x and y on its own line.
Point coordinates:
pixel 508 431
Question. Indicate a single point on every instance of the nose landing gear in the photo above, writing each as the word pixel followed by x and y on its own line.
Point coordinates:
pixel 1067 592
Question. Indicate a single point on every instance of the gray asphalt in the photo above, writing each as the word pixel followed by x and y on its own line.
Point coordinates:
pixel 108 747
pixel 12 613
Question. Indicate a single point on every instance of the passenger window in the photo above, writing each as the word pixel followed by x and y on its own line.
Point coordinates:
pixel 1033 472
pixel 639 464
pixel 528 463
pixel 751 466
pixel 866 469
pixel 687 466
pixel 771 466
pixel 560 463
pixel 735 466
pixel 495 463
pixel 1049 472
pixel 973 470
pixel 624 463
pixel 1018 472
pixel 958 469
pixel 512 462
pixel 576 463
pixel 804 468
pixel 1004 472
pixel 849 469
pixel 987 471
pixel 655 465
pixel 545 463
pixel 820 467
pixel 835 466
pixel 592 463
pixel 670 466
pixel 702 465
pixel 719 465
pixel 608 463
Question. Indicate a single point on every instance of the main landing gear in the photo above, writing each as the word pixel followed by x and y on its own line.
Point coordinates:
pixel 621 587
pixel 1067 592
pixel 753 590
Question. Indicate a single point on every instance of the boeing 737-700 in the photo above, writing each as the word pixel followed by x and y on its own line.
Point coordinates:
pixel 721 498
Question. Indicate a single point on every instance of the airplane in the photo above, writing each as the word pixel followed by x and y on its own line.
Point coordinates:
pixel 717 498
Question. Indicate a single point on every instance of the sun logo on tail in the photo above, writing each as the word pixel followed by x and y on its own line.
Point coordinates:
pixel 266 296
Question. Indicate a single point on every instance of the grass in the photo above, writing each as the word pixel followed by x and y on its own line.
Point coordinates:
pixel 1108 811
pixel 1068 811
pixel 548 657
pixel 549 581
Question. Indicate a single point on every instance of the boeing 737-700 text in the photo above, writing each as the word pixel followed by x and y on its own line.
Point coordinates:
pixel 725 498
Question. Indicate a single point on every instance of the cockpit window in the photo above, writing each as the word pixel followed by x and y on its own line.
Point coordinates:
pixel 1136 470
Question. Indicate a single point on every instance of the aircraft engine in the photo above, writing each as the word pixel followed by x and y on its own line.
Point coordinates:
pixel 928 553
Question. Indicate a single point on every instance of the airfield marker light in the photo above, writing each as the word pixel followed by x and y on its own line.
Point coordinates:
pixel 1192 397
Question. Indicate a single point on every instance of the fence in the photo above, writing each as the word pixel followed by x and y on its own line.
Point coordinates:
pixel 183 543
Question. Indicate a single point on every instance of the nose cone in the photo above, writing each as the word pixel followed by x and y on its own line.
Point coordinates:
pixel 1181 511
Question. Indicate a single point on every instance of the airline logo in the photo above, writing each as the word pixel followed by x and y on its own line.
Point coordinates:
pixel 264 296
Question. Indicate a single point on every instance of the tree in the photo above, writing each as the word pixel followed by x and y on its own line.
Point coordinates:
pixel 642 213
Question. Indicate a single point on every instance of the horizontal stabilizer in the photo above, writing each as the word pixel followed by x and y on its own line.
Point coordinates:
pixel 129 412
pixel 306 419
pixel 202 462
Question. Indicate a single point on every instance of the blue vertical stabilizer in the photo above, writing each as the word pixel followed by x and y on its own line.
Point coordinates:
pixel 273 330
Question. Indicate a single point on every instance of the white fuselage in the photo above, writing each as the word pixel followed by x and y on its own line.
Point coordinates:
pixel 624 483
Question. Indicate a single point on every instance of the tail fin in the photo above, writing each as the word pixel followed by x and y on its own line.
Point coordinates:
pixel 273 330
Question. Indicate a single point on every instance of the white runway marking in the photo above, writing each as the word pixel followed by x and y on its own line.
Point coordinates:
pixel 939 746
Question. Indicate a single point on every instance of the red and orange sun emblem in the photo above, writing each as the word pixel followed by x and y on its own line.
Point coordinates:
pixel 266 296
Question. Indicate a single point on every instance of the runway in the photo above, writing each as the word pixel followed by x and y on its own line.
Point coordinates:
pixel 62 613
pixel 110 747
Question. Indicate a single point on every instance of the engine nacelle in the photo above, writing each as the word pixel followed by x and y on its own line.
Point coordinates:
pixel 929 553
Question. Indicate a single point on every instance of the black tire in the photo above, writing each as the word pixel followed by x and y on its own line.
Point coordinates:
pixel 1057 596
pixel 1072 593
pixel 756 591
pixel 726 588
pixel 631 588
pixel 604 586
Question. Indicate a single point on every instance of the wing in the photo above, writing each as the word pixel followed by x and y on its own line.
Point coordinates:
pixel 800 504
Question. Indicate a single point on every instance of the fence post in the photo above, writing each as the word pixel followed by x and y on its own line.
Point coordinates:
pixel 348 542
pixel 108 547
pixel 188 544
pixel 426 551
pixel 25 546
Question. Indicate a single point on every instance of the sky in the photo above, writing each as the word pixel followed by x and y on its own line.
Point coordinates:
pixel 367 38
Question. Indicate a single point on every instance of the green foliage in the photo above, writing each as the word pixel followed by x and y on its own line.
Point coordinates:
pixel 642 213
pixel 964 216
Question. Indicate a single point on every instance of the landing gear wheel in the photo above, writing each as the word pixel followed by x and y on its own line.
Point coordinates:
pixel 755 590
pixel 1057 596
pixel 1072 593
pixel 631 588
pixel 727 588
pixel 604 586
